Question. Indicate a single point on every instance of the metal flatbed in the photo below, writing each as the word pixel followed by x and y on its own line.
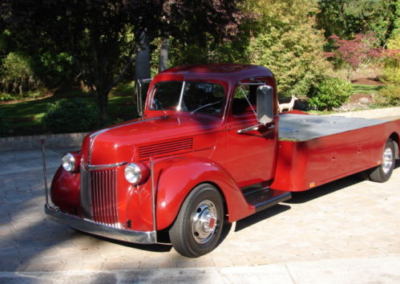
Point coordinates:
pixel 300 127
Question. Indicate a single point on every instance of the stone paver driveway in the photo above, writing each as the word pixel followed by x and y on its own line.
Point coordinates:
pixel 345 219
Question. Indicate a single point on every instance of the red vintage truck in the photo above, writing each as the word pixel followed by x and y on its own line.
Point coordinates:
pixel 210 148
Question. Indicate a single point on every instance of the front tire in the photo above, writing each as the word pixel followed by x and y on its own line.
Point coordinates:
pixel 385 170
pixel 198 227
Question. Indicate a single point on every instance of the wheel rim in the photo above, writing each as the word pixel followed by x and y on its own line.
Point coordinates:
pixel 204 221
pixel 387 160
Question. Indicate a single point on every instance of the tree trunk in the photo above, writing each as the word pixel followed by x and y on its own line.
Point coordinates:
pixel 163 60
pixel 142 67
pixel 102 102
pixel 142 70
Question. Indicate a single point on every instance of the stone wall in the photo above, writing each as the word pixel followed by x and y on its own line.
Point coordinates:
pixel 32 142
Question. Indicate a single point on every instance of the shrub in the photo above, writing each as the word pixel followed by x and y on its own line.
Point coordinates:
pixel 389 96
pixel 330 93
pixel 391 72
pixel 6 97
pixel 17 75
pixel 71 115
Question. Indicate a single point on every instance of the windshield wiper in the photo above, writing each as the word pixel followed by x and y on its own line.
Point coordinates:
pixel 207 105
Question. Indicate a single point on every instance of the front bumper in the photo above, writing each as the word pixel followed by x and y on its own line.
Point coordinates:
pixel 91 227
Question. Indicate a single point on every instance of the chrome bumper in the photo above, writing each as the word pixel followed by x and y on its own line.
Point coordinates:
pixel 91 227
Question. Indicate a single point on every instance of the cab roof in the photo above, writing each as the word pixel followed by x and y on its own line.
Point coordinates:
pixel 222 71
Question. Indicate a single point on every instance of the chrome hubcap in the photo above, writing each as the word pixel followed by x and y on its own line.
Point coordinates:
pixel 204 221
pixel 387 160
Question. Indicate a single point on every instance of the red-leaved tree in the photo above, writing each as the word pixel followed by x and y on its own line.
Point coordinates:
pixel 355 51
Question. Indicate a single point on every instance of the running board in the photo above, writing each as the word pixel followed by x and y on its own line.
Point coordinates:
pixel 263 198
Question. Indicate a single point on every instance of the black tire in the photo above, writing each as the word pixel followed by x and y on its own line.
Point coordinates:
pixel 198 227
pixel 385 170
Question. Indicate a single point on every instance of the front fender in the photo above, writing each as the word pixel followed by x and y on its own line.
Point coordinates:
pixel 64 190
pixel 179 176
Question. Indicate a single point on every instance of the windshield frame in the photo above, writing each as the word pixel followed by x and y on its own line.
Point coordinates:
pixel 179 109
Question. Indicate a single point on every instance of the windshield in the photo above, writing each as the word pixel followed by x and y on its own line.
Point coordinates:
pixel 193 97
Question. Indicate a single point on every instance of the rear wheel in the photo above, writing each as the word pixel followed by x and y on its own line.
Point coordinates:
pixel 198 226
pixel 385 170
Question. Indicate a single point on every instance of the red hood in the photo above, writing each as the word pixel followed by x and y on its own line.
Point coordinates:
pixel 122 142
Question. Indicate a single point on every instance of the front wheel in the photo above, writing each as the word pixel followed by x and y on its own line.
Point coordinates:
pixel 198 227
pixel 385 170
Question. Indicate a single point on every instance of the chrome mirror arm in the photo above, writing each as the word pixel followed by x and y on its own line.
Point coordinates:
pixel 248 129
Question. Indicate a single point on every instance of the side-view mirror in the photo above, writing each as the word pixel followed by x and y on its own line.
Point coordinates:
pixel 142 86
pixel 265 104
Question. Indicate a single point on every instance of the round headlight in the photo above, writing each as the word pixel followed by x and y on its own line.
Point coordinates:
pixel 69 162
pixel 133 173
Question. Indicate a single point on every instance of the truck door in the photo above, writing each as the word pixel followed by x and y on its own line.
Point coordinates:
pixel 252 153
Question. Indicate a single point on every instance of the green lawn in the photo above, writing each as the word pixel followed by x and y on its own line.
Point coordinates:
pixel 365 89
pixel 24 118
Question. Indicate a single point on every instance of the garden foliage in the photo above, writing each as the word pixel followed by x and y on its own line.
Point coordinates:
pixel 98 41
pixel 391 72
pixel 329 94
pixel 286 41
pixel 346 18
pixel 103 36
pixel 389 96
pixel 355 51
pixel 17 75
pixel 72 115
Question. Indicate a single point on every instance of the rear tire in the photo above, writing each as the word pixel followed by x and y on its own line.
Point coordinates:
pixel 385 170
pixel 198 227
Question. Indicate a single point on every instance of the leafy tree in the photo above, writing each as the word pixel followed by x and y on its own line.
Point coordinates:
pixel 102 35
pixel 17 75
pixel 194 29
pixel 391 71
pixel 49 69
pixel 346 18
pixel 284 39
pixel 355 51
pixel 390 94
pixel 396 22
pixel 198 22
pixel 92 32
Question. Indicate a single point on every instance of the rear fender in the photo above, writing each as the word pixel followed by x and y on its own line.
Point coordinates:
pixel 178 177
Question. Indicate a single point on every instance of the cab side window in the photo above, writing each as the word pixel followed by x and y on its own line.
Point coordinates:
pixel 244 100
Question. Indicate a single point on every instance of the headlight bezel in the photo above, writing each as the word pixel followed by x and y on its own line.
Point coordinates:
pixel 70 162
pixel 136 173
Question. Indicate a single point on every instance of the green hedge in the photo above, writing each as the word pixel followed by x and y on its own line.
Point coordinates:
pixel 329 94
pixel 389 96
pixel 71 115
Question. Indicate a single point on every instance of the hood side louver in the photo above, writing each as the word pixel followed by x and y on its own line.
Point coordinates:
pixel 165 148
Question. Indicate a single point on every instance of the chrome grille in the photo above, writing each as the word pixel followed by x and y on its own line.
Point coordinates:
pixel 99 196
